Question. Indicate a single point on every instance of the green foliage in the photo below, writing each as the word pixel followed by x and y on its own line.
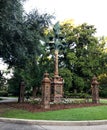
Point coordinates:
pixel 84 54
pixel 76 95
pixel 2 80
pixel 103 92
pixel 20 43
pixel 22 48
pixel 10 26
pixel 35 101
pixel 79 83
pixel 67 76
pixel 3 93
pixel 103 85
pixel 83 57
pixel 14 82
pixel 20 33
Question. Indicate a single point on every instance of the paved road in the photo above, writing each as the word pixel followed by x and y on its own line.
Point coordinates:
pixel 100 127
pixel 8 99
pixel 11 126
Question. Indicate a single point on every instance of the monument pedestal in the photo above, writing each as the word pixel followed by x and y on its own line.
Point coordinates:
pixel 56 89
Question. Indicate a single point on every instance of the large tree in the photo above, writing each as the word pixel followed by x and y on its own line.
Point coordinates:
pixel 31 49
pixel 20 40
pixel 20 33
pixel 83 56
pixel 10 25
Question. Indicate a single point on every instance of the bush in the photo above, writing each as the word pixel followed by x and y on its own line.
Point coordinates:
pixel 103 92
pixel 35 101
pixel 3 93
pixel 77 95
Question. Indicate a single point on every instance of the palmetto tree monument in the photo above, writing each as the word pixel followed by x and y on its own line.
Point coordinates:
pixel 56 43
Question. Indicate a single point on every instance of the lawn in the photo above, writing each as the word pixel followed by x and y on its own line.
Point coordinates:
pixel 75 114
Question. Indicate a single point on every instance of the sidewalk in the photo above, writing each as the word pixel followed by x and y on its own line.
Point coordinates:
pixel 55 123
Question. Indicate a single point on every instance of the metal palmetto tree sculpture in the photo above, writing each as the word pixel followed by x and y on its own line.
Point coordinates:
pixel 57 43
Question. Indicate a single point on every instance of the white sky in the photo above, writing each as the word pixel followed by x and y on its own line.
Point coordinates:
pixel 2 65
pixel 90 11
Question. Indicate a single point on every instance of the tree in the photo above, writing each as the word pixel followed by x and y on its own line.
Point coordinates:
pixel 20 39
pixel 32 49
pixel 103 85
pixel 17 37
pixel 10 25
pixel 2 80
pixel 83 56
pixel 68 77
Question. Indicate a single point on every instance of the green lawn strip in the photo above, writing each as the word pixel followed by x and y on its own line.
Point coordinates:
pixel 76 114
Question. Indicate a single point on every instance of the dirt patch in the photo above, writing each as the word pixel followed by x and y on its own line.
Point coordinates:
pixel 37 108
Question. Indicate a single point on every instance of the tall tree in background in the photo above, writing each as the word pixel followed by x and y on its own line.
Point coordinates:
pixel 22 48
pixel 11 19
pixel 20 40
pixel 19 35
pixel 83 56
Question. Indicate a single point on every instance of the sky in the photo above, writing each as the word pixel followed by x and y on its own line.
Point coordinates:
pixel 90 11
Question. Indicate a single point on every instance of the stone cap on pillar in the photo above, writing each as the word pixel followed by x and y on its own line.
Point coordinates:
pixel 46 78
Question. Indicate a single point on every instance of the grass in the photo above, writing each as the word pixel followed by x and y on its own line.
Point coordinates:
pixel 86 113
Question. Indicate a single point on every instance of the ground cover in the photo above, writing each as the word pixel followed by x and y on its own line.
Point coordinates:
pixel 71 112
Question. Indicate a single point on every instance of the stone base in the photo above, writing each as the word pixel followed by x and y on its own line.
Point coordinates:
pixel 56 89
pixel 45 106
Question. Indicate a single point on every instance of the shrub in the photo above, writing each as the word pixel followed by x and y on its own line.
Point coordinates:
pixel 3 93
pixel 77 95
pixel 103 91
pixel 35 101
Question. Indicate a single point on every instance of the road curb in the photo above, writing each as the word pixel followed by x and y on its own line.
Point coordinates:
pixel 55 123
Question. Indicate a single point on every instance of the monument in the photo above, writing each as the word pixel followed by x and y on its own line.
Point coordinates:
pixel 52 89
pixel 56 81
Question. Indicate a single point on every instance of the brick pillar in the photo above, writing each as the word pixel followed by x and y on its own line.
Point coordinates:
pixel 46 91
pixel 95 90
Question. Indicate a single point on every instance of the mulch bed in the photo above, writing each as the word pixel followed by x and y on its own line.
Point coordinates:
pixel 37 108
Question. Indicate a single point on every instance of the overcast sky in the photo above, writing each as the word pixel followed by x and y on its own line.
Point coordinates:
pixel 89 11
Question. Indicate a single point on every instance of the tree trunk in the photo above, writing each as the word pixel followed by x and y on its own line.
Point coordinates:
pixel 21 92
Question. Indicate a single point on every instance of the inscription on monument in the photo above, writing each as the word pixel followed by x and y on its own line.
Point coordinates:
pixel 58 89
